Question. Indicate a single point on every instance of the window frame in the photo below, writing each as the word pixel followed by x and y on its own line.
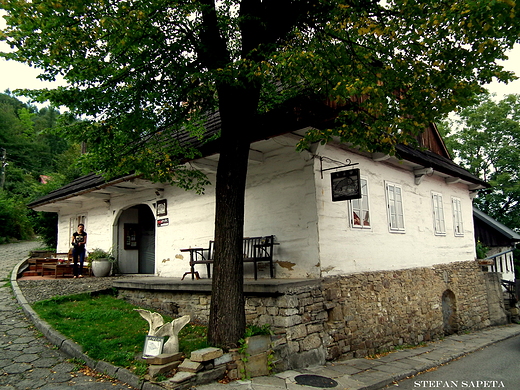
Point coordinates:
pixel 458 221
pixel 438 215
pixel 400 225
pixel 365 197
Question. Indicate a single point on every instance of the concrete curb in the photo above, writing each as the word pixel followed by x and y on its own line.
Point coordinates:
pixel 69 347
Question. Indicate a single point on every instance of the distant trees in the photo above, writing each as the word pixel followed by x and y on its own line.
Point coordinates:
pixel 485 139
pixel 31 149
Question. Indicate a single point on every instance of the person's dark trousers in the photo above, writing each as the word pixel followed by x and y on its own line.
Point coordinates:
pixel 78 253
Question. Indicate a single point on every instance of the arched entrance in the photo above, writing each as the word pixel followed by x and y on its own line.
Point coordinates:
pixel 136 237
pixel 449 312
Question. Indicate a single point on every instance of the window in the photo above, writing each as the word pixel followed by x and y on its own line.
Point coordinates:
pixel 394 199
pixel 458 227
pixel 438 214
pixel 75 221
pixel 359 209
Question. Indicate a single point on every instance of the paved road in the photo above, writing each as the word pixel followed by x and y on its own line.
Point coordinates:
pixel 27 360
pixel 493 367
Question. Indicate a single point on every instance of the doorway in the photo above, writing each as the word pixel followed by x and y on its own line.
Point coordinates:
pixel 147 238
pixel 449 312
pixel 136 227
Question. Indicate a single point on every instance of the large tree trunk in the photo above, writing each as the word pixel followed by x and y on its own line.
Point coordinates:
pixel 227 311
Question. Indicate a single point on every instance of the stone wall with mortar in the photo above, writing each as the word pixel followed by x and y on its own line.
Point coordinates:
pixel 353 315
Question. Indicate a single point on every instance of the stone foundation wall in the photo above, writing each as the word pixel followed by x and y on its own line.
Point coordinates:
pixel 353 315
pixel 371 312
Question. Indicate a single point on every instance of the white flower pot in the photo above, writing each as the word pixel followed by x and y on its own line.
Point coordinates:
pixel 101 267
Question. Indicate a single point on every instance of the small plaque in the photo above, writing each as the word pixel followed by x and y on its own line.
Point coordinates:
pixel 162 208
pixel 346 185
pixel 153 346
pixel 163 222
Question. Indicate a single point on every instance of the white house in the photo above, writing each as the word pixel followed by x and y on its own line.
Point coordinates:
pixel 394 266
pixel 415 211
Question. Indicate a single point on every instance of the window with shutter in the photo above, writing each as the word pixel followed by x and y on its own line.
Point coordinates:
pixel 394 199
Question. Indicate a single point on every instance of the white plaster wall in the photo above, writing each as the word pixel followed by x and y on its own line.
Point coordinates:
pixel 286 196
pixel 280 200
pixel 101 220
pixel 191 224
pixel 344 249
pixel 97 225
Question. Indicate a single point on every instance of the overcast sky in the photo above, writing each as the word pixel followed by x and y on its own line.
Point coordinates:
pixel 14 75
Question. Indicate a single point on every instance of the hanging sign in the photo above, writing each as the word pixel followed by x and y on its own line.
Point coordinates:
pixel 346 185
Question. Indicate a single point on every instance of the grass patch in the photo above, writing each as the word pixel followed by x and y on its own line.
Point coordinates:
pixel 108 328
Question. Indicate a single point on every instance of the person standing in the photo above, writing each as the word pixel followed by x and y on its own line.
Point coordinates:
pixel 79 241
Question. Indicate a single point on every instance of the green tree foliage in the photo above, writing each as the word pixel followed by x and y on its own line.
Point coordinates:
pixel 485 139
pixel 147 71
pixel 32 149
pixel 14 221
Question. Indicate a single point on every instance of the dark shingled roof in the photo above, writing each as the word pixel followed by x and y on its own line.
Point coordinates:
pixel 299 114
pixel 494 224
pixel 442 164
pixel 77 187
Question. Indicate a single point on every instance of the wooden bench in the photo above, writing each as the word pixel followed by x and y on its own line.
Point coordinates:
pixel 255 250
pixel 64 268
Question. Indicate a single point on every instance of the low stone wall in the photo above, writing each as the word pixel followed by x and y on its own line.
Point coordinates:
pixel 353 315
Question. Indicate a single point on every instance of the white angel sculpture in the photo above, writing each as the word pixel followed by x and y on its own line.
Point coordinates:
pixel 160 329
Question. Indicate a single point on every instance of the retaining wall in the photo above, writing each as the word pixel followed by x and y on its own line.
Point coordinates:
pixel 354 315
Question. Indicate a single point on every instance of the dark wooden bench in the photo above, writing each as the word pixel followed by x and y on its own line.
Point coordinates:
pixel 255 250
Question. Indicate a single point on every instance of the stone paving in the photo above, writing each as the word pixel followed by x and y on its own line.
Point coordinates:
pixel 27 359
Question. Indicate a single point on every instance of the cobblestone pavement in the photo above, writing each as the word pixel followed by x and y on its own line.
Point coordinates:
pixel 27 359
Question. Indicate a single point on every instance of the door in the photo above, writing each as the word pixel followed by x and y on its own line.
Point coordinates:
pixel 147 240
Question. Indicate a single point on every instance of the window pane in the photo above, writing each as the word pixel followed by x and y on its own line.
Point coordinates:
pixel 395 207
pixel 366 219
pixel 438 214
pixel 360 208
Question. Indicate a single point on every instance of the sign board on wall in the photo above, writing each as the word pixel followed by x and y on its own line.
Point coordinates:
pixel 163 222
pixel 346 185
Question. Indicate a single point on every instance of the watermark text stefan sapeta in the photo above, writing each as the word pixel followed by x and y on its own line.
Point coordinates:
pixel 458 384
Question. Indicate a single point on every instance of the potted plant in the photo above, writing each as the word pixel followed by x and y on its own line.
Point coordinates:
pixel 101 262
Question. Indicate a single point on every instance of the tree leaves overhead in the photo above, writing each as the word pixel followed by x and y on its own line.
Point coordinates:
pixel 141 68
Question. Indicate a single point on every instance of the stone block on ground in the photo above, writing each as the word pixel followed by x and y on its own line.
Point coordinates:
pixel 205 354
pixel 226 358
pixel 211 375
pixel 189 366
pixel 182 376
pixel 163 358
pixel 156 369
pixel 256 365
pixel 258 344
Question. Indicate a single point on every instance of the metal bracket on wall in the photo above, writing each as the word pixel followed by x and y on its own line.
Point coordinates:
pixel 348 161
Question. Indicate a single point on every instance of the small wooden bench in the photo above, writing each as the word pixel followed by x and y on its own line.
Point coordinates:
pixel 255 249
pixel 63 268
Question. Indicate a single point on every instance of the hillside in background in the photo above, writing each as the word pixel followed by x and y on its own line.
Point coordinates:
pixel 34 160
